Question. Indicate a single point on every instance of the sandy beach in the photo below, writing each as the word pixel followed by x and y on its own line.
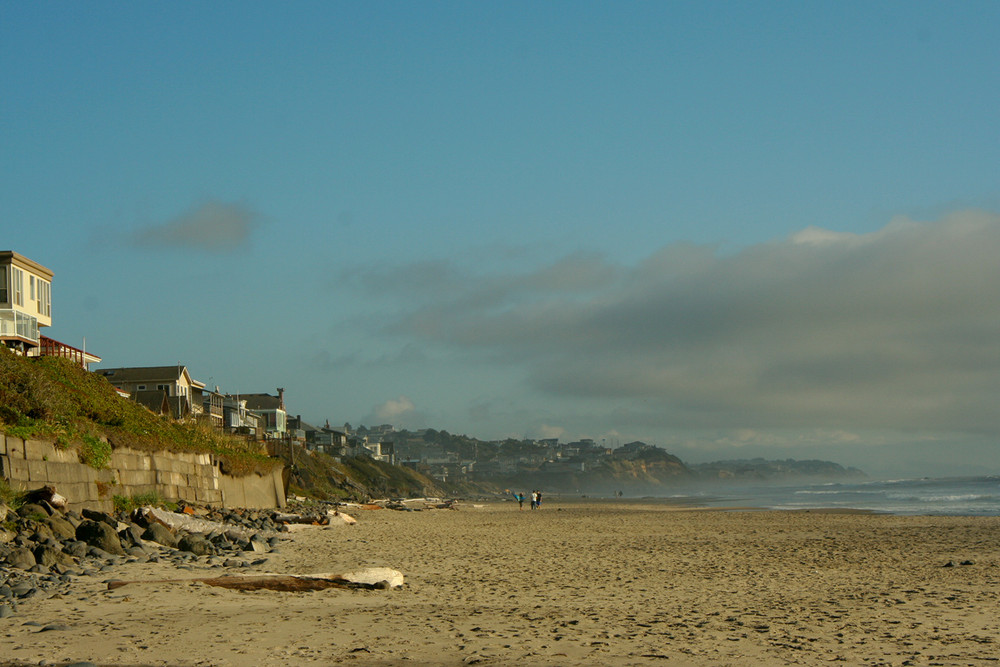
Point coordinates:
pixel 574 583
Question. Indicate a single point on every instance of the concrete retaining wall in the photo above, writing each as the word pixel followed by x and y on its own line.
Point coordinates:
pixel 29 464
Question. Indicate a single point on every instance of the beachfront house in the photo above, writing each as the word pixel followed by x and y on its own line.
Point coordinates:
pixel 271 410
pixel 26 308
pixel 153 386
pixel 240 420
pixel 25 302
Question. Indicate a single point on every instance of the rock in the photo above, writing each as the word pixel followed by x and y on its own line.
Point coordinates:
pixel 3 512
pixel 195 544
pixel 131 535
pixel 60 527
pixel 50 556
pixel 21 558
pixel 32 510
pixel 51 627
pixel 103 517
pixel 76 548
pixel 6 611
pixel 42 532
pixel 100 535
pixel 157 532
pixel 24 590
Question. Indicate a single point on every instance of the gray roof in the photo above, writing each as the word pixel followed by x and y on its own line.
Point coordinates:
pixel 261 401
pixel 143 373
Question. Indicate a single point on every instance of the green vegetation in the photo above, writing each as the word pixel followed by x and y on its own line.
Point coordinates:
pixel 130 503
pixel 9 496
pixel 53 398
pixel 318 475
pixel 95 452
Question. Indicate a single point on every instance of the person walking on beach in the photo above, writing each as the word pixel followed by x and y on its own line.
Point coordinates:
pixel 534 499
pixel 519 497
pixel 538 499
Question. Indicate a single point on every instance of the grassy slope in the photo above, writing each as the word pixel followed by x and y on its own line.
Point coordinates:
pixel 54 398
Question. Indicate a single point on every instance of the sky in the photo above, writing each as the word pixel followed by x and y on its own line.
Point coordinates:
pixel 727 229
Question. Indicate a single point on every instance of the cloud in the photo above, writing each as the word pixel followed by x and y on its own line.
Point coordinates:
pixel 393 410
pixel 549 431
pixel 212 226
pixel 897 329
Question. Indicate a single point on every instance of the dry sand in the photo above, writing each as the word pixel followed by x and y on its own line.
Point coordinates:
pixel 576 583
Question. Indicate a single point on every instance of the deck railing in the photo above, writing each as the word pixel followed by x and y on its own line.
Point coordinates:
pixel 53 348
pixel 15 324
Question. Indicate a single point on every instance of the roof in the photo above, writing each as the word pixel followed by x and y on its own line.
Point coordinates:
pixel 262 401
pixel 149 374
pixel 11 257
pixel 154 399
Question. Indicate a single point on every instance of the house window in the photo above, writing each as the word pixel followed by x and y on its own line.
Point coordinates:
pixel 164 387
pixel 140 387
pixel 31 287
pixel 17 285
pixel 3 284
pixel 45 298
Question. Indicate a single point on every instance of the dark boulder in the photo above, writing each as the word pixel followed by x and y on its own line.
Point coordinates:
pixel 196 544
pixel 60 527
pixel 103 517
pixel 101 535
pixel 32 510
pixel 157 532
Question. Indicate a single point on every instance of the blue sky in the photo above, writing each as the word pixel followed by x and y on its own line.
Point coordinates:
pixel 730 229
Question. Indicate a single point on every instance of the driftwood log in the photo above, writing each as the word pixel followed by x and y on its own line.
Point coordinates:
pixel 370 579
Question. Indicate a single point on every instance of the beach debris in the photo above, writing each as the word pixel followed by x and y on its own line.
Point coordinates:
pixel 336 517
pixel 176 521
pixel 289 518
pixel 412 504
pixel 376 578
pixel 46 494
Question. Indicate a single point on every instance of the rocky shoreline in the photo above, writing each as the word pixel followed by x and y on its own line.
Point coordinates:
pixel 45 549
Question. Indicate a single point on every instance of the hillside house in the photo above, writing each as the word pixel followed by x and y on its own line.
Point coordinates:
pixel 272 412
pixel 25 301
pixel 150 385
pixel 240 420
pixel 26 308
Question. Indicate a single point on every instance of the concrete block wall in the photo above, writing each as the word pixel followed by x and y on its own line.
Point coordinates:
pixel 29 464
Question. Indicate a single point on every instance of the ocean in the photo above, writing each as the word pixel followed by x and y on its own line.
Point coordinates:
pixel 955 496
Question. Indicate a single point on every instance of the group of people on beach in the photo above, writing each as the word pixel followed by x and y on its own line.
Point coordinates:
pixel 536 500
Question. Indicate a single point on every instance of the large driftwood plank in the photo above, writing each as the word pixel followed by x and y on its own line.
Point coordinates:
pixel 240 583
pixel 366 579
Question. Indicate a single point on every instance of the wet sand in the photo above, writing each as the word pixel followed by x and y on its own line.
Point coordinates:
pixel 574 583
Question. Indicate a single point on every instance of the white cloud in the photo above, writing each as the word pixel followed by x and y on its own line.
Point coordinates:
pixel 548 431
pixel 394 409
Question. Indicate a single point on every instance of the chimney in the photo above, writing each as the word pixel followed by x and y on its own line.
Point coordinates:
pixel 281 397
